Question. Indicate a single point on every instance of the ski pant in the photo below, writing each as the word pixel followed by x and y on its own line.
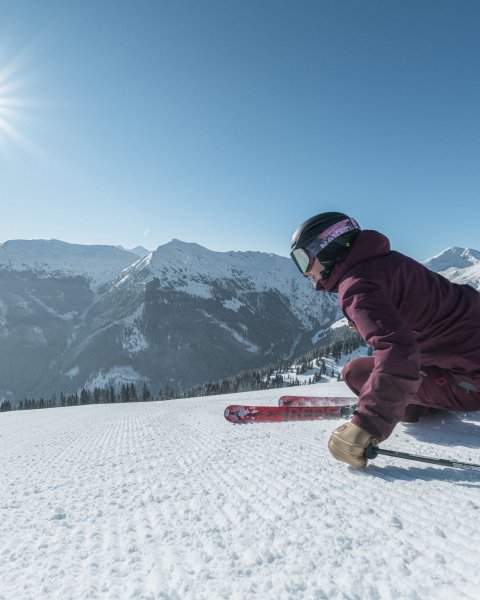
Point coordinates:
pixel 440 388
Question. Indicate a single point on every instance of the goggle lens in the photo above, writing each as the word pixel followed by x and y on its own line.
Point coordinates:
pixel 301 259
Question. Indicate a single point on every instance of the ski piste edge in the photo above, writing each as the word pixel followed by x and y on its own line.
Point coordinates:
pixel 316 400
pixel 239 414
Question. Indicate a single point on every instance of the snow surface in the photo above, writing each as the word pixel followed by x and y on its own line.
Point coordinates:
pixel 167 500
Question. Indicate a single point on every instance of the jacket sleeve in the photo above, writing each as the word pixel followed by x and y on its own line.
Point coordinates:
pixel 396 374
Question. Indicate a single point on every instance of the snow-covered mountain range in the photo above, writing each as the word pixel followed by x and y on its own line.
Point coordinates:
pixel 87 315
pixel 74 316
pixel 457 264
pixel 54 258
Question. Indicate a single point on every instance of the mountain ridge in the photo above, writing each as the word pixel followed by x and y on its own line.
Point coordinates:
pixel 100 263
pixel 460 265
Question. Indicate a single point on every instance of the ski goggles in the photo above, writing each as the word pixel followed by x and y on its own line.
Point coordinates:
pixel 304 257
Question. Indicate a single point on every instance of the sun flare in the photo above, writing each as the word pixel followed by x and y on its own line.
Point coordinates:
pixel 14 106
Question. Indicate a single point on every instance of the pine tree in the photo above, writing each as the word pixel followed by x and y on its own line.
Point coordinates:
pixel 72 400
pixel 146 395
pixel 124 394
pixel 85 397
pixel 5 406
pixel 97 395
pixel 111 394
pixel 132 391
pixel 168 393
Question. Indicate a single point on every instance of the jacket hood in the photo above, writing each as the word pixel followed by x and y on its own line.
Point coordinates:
pixel 367 245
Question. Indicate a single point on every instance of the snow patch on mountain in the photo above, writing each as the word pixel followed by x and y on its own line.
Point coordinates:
pixel 195 288
pixel 72 372
pixel 233 304
pixel 116 376
pixel 134 341
pixel 340 323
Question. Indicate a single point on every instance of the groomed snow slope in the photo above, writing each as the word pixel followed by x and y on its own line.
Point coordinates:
pixel 169 501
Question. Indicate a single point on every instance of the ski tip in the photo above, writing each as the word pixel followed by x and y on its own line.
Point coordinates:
pixel 230 415
pixel 234 413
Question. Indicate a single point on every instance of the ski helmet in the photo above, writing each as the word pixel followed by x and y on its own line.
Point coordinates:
pixel 326 236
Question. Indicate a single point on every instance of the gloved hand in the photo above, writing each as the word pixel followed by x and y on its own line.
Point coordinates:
pixel 348 443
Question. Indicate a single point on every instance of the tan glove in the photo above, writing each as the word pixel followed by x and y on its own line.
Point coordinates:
pixel 348 443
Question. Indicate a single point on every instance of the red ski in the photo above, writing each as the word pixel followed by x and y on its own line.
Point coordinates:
pixel 315 400
pixel 238 413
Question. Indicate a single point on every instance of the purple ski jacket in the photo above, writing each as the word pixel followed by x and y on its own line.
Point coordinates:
pixel 411 317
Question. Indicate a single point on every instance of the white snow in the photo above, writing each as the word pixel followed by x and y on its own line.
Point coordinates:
pixel 340 323
pixel 317 337
pixel 195 288
pixel 134 341
pixel 167 500
pixel 73 372
pixel 232 304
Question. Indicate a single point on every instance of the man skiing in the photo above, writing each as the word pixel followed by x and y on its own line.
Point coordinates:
pixel 424 330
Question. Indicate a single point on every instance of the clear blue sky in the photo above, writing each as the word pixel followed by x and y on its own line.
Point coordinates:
pixel 229 122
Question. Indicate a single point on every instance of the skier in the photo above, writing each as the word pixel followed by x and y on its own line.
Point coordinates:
pixel 424 330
